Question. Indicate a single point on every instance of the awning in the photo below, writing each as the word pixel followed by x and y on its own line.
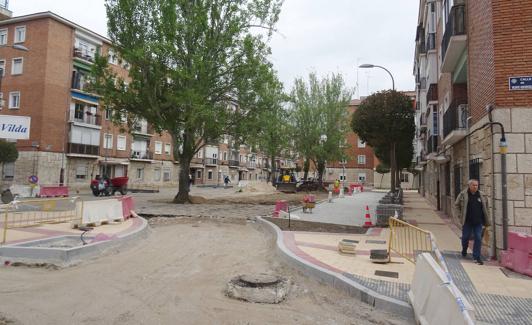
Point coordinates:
pixel 113 162
pixel 93 100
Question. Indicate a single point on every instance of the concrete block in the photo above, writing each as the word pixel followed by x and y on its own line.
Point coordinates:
pixel 524 163
pixel 503 115
pixel 515 141
pixel 528 184
pixel 523 217
pixel 528 143
pixel 528 201
pixel 516 189
pixel 521 119
pixel 519 204
pixel 498 211
pixel 511 163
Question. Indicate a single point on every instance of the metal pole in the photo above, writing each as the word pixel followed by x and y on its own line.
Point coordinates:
pixel 393 81
pixel 504 190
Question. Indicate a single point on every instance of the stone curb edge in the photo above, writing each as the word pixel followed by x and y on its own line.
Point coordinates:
pixel 336 280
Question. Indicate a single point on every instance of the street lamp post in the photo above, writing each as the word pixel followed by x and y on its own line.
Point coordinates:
pixel 369 66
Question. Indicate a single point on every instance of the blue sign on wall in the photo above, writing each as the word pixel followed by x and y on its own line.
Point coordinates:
pixel 520 83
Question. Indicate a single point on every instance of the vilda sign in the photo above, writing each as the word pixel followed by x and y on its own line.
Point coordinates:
pixel 15 127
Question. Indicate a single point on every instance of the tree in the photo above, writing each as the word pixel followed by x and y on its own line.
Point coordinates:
pixel 385 121
pixel 319 115
pixel 8 152
pixel 194 67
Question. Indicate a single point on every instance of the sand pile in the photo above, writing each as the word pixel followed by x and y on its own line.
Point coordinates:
pixel 259 187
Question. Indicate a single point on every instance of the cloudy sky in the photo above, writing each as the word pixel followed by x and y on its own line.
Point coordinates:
pixel 314 35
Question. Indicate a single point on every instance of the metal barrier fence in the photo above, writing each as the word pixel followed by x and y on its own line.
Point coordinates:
pixel 408 240
pixel 27 213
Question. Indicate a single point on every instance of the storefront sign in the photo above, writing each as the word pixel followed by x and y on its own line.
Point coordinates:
pixel 520 83
pixel 15 127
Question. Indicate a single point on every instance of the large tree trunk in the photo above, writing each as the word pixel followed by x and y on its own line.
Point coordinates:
pixel 392 167
pixel 273 169
pixel 184 168
pixel 321 169
pixel 306 167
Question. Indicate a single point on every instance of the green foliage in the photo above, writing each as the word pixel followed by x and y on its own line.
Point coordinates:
pixel 319 116
pixel 195 68
pixel 382 168
pixel 385 121
pixel 8 152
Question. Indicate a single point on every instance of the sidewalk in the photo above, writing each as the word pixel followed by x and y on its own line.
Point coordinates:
pixel 498 296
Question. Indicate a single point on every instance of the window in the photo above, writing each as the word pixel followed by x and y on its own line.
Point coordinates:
pixel 225 155
pixel 121 142
pixel 8 170
pixel 112 57
pixel 3 36
pixel 140 173
pixel 3 67
pixel 167 148
pixel 158 147
pixel 20 34
pixel 157 174
pixel 404 177
pixel 108 141
pixel 361 177
pixel 166 175
pixel 361 144
pixel 14 99
pixel 209 175
pixel 198 174
pixel 342 178
pixel 361 159
pixel 16 66
pixel 123 117
pixel 79 111
pixel 108 113
pixel 81 172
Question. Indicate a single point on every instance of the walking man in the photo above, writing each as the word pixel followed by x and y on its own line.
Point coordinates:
pixel 472 205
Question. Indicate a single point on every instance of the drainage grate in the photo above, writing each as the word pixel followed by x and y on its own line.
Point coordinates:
pixel 373 241
pixel 387 274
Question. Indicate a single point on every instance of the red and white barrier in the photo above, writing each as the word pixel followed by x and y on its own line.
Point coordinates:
pixel 518 257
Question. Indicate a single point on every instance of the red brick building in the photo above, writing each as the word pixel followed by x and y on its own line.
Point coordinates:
pixel 471 55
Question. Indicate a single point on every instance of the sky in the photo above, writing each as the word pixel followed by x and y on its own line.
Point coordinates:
pixel 322 36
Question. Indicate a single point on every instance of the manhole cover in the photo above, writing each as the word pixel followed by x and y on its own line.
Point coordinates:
pixel 261 288
pixel 387 274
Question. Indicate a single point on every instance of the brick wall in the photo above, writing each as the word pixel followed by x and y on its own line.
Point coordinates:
pixel 512 36
pixel 481 70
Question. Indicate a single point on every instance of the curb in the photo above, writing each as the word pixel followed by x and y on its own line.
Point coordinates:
pixel 67 257
pixel 337 280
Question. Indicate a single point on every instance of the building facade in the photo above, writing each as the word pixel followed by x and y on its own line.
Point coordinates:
pixel 467 66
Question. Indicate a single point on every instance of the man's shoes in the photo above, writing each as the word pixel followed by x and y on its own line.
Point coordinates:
pixel 464 253
pixel 479 261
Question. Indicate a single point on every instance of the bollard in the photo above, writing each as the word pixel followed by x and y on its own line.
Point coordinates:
pixel 330 197
pixel 341 192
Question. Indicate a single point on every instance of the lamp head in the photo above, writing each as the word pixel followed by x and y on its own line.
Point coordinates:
pixel 366 66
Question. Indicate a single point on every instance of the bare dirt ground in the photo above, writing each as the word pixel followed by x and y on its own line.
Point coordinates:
pixel 176 276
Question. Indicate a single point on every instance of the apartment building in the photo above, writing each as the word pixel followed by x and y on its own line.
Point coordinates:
pixel 358 167
pixel 471 55
pixel 72 135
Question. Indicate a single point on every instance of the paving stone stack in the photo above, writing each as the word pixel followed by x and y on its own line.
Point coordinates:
pixel 388 205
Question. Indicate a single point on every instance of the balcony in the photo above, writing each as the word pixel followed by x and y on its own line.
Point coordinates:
pixel 422 122
pixel 86 118
pixel 233 163
pixel 211 161
pixel 83 54
pixel 432 144
pixel 251 165
pixel 83 149
pixel 432 94
pixel 198 161
pixel 454 39
pixel 430 42
pixel 141 155
pixel 455 123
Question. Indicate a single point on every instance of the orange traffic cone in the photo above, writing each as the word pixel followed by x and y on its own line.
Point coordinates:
pixel 368 222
